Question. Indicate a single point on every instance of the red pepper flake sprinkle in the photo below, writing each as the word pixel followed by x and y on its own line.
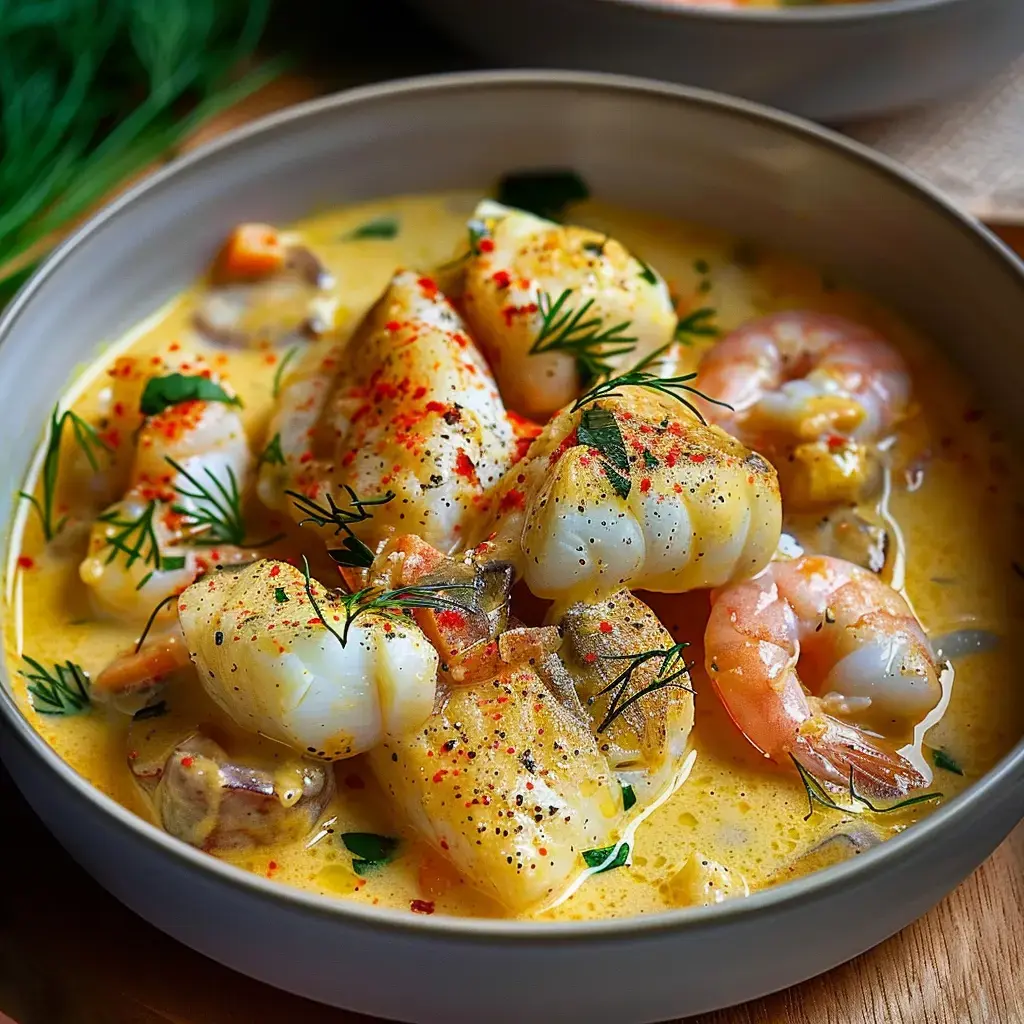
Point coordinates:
pixel 835 441
pixel 697 458
pixel 486 245
pixel 439 774
pixel 542 850
pixel 512 499
pixel 645 485
pixel 275 570
pixel 393 325
pixel 451 619
pixel 605 627
pixel 501 278
pixel 464 466
pixel 24 562
pixel 590 657
pixel 422 906
pixel 186 761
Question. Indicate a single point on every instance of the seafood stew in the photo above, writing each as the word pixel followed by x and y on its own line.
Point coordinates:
pixel 438 554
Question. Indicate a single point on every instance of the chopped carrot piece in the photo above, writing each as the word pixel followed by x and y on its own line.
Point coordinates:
pixel 252 251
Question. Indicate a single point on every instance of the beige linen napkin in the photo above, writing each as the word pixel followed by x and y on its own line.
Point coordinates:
pixel 972 149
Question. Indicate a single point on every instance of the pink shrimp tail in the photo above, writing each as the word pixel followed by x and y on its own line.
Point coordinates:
pixel 879 772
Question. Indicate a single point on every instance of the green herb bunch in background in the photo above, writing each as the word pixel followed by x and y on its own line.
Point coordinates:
pixel 92 91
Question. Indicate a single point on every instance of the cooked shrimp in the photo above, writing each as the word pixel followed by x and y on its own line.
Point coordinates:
pixel 823 625
pixel 141 549
pixel 633 491
pixel 520 267
pixel 810 391
pixel 407 406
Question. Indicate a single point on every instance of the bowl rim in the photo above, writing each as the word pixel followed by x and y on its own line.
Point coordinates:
pixel 501 930
pixel 842 13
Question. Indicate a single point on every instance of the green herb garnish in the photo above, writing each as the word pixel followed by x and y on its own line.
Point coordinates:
pixel 280 596
pixel 640 377
pixel 272 455
pixel 161 393
pixel 646 274
pixel 369 850
pixel 700 324
pixel 607 857
pixel 134 538
pixel 598 429
pixel 353 552
pixel 946 762
pixel 91 93
pixel 545 193
pixel 64 691
pixel 91 444
pixel 584 338
pixel 817 794
pixel 218 519
pixel 379 227
pixel 673 667
pixel 275 389
pixel 628 797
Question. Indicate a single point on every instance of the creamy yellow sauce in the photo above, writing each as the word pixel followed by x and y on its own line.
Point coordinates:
pixel 954 494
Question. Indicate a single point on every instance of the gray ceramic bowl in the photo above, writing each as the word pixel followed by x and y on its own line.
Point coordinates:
pixel 831 63
pixel 692 155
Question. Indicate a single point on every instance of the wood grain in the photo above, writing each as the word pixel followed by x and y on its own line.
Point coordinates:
pixel 963 963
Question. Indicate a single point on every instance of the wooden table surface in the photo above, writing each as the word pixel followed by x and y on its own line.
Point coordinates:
pixel 70 954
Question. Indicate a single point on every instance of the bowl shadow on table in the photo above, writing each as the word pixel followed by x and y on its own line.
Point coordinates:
pixel 71 954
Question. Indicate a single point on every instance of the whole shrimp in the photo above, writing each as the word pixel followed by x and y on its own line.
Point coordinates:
pixel 633 491
pixel 407 407
pixel 810 655
pixel 813 393
pixel 553 306
pixel 189 463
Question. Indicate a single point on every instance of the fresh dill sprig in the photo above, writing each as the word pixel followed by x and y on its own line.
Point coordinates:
pixel 700 323
pixel 91 92
pixel 582 336
pixel 64 691
pixel 353 553
pixel 673 667
pixel 817 794
pixel 134 538
pixel 272 455
pixel 392 603
pixel 275 388
pixel 219 516
pixel 641 377
pixel 91 444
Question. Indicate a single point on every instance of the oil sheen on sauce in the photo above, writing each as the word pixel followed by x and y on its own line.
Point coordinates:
pixel 954 499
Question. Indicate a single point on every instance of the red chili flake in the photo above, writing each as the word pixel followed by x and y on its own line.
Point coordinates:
pixel 605 627
pixel 529 785
pixel 422 906
pixel 464 466
pixel 486 245
pixel 186 761
pixel 501 278
pixel 440 774
pixel 272 865
pixel 24 562
pixel 542 850
pixel 451 619
pixel 513 498
pixel 835 441
pixel 436 407
pixel 428 285
pixel 697 458
pixel 314 622
pixel 645 485
pixel 590 657
pixel 275 570
pixel 393 325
